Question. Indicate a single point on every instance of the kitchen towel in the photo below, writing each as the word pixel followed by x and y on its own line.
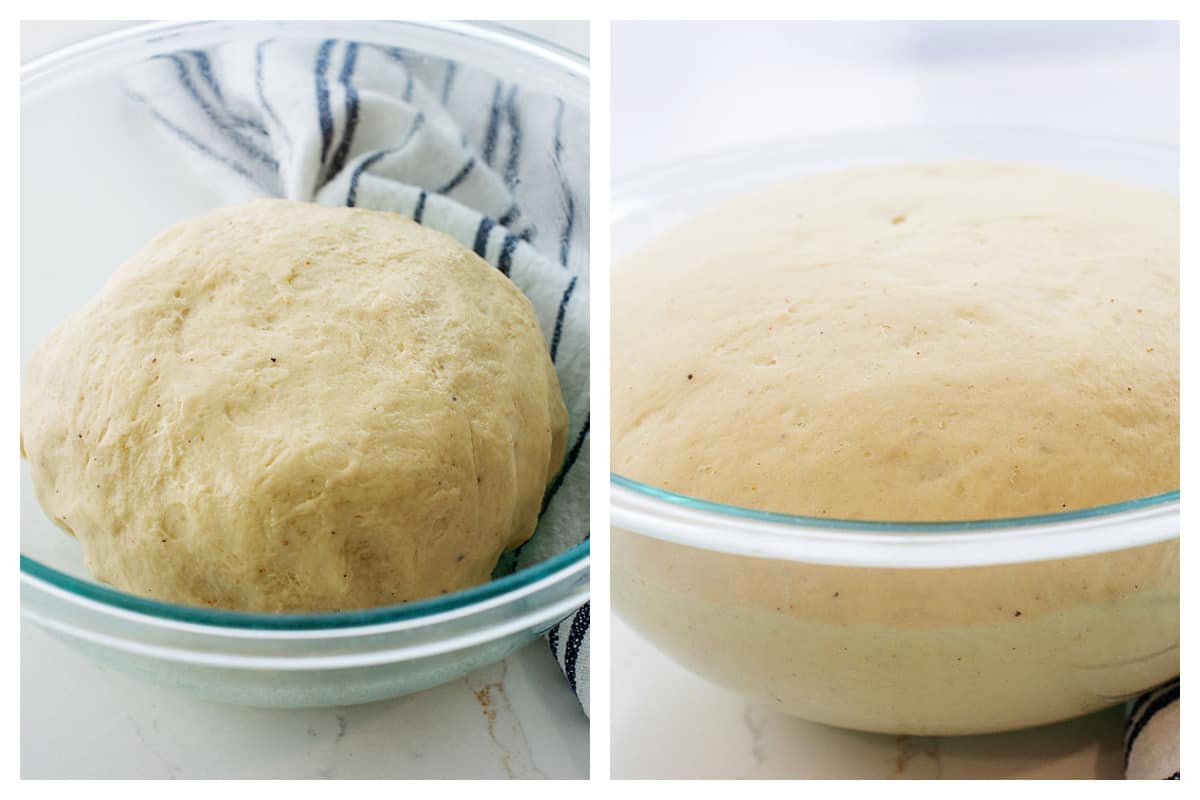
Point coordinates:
pixel 501 169
pixel 1152 734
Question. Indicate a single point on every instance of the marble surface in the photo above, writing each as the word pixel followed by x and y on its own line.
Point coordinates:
pixel 515 719
pixel 668 723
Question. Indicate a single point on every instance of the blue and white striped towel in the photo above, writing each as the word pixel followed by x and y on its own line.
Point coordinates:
pixel 1152 734
pixel 503 170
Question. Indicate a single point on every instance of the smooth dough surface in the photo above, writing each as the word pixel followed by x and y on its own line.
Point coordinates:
pixel 927 342
pixel 283 407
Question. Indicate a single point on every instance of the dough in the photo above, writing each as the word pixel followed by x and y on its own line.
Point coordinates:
pixel 284 407
pixel 935 342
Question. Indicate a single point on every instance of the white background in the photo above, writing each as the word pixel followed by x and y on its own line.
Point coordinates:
pixel 682 89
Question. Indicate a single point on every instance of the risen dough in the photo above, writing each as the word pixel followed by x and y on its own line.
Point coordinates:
pixel 283 407
pixel 951 341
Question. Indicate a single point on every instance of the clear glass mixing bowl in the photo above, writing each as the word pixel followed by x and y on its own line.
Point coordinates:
pixel 924 629
pixel 120 184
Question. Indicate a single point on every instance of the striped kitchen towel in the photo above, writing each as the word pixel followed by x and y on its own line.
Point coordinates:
pixel 1152 734
pixel 502 169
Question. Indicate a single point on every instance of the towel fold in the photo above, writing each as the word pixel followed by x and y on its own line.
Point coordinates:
pixel 1152 734
pixel 501 169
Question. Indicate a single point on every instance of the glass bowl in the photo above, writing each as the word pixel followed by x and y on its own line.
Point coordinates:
pixel 125 185
pixel 904 628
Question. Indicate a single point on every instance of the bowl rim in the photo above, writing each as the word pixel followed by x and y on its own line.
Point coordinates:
pixel 691 522
pixel 464 603
pixel 653 173
pixel 685 519
pixel 888 527
pixel 575 63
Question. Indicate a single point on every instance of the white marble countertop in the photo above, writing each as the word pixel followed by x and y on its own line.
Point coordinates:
pixel 668 723
pixel 515 719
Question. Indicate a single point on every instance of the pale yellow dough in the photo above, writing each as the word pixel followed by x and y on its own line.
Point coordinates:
pixel 935 342
pixel 284 407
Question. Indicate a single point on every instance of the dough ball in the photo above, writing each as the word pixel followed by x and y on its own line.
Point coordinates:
pixel 284 407
pixel 930 342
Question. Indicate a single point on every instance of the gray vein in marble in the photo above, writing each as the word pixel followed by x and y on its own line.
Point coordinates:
pixel 919 749
pixel 755 719
pixel 174 771
pixel 503 726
